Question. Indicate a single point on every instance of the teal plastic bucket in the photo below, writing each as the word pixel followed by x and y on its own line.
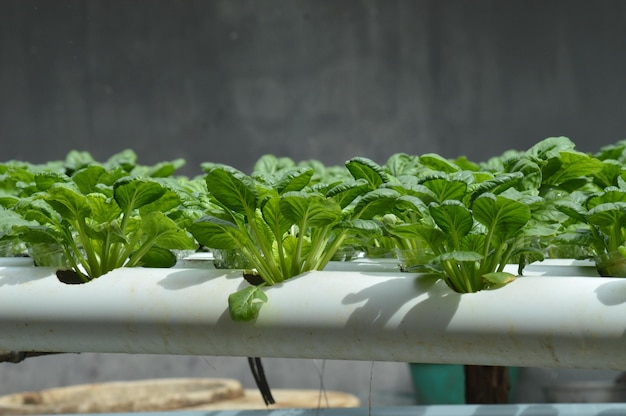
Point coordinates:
pixel 445 383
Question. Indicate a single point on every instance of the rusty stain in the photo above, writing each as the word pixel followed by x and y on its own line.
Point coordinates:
pixel 547 344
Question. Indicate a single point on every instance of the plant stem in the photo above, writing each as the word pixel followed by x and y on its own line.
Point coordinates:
pixel 319 240
pixel 94 264
pixel 459 280
pixel 277 276
pixel 128 250
pixel 140 252
pixel 70 257
pixel 255 258
pixel 296 257
pixel 281 253
pixel 331 250
pixel 504 260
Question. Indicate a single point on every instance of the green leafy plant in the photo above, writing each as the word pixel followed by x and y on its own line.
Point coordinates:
pixel 473 237
pixel 434 226
pixel 599 226
pixel 583 193
pixel 280 224
pixel 280 230
pixel 101 217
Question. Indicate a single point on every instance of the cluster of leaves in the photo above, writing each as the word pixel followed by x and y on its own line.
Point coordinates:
pixel 597 211
pixel 461 220
pixel 583 193
pixel 284 219
pixel 100 216
pixel 463 225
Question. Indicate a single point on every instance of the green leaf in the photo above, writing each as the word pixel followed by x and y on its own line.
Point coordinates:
pixel 245 304
pixel 165 169
pixel 614 151
pixel 438 163
pixel 573 165
pixel 420 192
pixel 294 180
pixel 581 238
pixel 434 237
pixel 370 171
pixel 8 201
pixel 453 218
pixel 474 242
pixel 278 223
pixel 217 233
pixel 96 178
pixel 156 257
pixel 347 192
pixel 76 160
pixel 103 209
pixel 497 184
pixel 611 170
pixel 270 164
pixel 405 230
pixel 88 178
pixel 498 279
pixel 446 189
pixel 368 228
pixel 460 256
pixel 126 160
pixel 402 164
pixel 463 163
pixel 311 209
pixel 45 180
pixel 572 209
pixel 232 189
pixel 38 234
pixel 165 233
pixel 502 216
pixel 132 192
pixel 10 219
pixel 610 214
pixel 169 201
pixel 550 147
pixel 377 202
pixel 411 205
pixel 263 232
pixel 533 176
pixel 34 209
pixel 610 194
pixel 67 202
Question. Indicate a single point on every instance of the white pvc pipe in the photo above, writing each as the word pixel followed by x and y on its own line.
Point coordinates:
pixel 558 321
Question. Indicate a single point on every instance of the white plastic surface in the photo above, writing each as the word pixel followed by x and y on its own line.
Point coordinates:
pixel 549 318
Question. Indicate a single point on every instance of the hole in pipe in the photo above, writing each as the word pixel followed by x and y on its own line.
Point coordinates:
pixel 69 277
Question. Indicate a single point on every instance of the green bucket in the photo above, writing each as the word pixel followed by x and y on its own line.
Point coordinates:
pixel 445 383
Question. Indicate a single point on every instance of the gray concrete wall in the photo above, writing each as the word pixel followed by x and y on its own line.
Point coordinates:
pixel 229 80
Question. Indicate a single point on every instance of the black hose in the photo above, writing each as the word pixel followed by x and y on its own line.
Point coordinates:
pixel 261 381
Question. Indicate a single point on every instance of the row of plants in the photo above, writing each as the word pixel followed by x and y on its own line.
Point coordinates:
pixel 461 220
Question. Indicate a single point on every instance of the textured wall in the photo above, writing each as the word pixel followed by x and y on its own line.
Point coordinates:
pixel 229 80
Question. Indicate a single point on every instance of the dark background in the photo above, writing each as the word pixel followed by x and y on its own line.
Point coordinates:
pixel 227 81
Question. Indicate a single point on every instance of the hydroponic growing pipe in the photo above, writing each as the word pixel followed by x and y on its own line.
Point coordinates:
pixel 538 320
